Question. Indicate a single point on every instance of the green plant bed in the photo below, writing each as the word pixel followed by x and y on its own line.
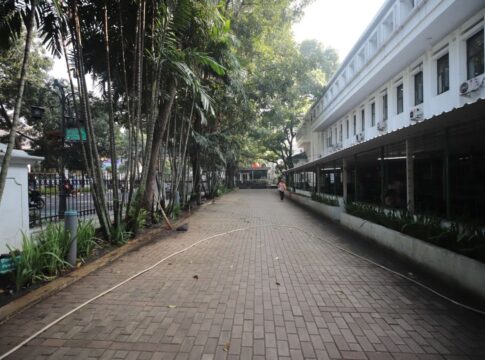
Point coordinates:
pixel 464 239
pixel 42 256
pixel 325 199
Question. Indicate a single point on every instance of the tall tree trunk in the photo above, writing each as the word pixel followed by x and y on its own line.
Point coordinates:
pixel 99 195
pixel 18 101
pixel 128 188
pixel 155 150
pixel 137 91
pixel 112 144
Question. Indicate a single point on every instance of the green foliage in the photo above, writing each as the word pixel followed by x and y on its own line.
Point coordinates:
pixel 141 219
pixel 221 190
pixel 42 256
pixel 86 239
pixel 325 199
pixel 120 235
pixel 176 211
pixel 461 238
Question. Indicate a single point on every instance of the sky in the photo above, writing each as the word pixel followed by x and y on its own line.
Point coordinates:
pixel 336 23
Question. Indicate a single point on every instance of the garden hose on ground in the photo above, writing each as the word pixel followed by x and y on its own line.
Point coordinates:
pixel 26 341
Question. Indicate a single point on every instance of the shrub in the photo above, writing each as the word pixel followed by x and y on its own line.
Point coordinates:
pixel 465 239
pixel 86 239
pixel 42 256
pixel 325 199
pixel 176 211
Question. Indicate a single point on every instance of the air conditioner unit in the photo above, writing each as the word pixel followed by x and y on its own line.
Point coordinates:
pixel 416 113
pixel 471 85
pixel 382 125
pixel 360 137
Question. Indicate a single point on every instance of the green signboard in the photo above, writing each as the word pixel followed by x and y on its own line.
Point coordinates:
pixel 72 134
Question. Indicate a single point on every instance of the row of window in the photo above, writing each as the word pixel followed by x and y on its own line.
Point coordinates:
pixel 397 14
pixel 475 51
pixel 474 65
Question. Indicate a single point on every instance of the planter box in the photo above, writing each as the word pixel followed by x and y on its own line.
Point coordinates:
pixel 331 212
pixel 467 272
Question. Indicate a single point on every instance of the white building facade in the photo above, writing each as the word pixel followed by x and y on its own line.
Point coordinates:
pixel 402 122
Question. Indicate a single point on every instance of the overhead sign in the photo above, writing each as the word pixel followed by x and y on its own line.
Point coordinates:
pixel 72 134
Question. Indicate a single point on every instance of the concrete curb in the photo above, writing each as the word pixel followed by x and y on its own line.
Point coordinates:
pixel 49 289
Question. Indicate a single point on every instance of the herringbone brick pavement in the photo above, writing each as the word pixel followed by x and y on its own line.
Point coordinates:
pixel 264 292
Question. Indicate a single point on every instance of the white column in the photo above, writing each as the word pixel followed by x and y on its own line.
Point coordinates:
pixel 344 178
pixel 409 176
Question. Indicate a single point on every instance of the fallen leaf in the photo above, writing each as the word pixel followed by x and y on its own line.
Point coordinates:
pixel 172 306
pixel 196 277
pixel 227 346
pixel 277 283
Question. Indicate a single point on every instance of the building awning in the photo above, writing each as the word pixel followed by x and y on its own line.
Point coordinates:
pixel 463 114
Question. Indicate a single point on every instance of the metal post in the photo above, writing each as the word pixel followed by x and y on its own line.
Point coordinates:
pixel 70 228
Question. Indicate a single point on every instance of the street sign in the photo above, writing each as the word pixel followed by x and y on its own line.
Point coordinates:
pixel 72 134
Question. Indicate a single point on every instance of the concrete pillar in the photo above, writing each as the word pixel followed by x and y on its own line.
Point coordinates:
pixel 383 181
pixel 409 176
pixel 345 177
pixel 317 178
pixel 446 171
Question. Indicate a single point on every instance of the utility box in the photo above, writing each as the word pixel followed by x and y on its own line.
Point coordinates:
pixel 14 205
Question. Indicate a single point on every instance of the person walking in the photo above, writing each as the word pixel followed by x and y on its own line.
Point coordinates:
pixel 282 188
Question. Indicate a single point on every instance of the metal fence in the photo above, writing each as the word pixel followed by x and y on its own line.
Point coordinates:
pixel 50 195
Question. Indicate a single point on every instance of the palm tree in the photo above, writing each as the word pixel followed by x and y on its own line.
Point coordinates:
pixel 14 14
pixel 29 25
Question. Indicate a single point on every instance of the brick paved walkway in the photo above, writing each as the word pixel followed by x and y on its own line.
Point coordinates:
pixel 263 293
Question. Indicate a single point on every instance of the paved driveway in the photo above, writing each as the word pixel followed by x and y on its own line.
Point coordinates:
pixel 264 291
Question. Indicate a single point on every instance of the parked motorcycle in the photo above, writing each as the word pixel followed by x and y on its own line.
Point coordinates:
pixel 35 199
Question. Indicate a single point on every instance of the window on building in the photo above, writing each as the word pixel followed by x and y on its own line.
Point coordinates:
pixel 362 119
pixel 474 55
pixel 443 72
pixel 384 108
pixel 355 124
pixel 341 132
pixel 335 131
pixel 347 128
pixel 418 88
pixel 400 99
pixel 373 114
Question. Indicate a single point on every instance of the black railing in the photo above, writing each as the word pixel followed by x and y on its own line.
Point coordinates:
pixel 51 194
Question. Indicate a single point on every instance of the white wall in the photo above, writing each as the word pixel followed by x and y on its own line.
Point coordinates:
pixel 395 60
pixel 14 206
